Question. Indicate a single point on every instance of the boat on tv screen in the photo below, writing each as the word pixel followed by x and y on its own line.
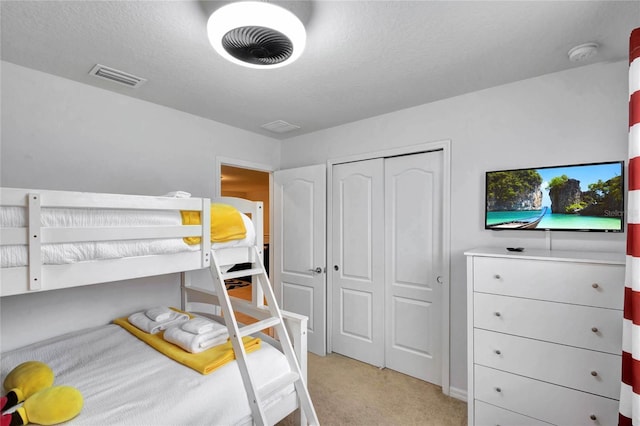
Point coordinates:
pixel 586 197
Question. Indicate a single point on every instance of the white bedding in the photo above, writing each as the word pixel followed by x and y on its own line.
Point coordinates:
pixel 126 382
pixel 57 254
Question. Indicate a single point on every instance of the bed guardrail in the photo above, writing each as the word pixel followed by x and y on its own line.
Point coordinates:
pixel 35 276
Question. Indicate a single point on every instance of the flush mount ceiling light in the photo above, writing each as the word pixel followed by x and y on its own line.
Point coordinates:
pixel 583 52
pixel 256 34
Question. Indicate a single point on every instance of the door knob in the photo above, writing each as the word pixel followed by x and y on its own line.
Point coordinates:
pixel 317 270
pixel 336 268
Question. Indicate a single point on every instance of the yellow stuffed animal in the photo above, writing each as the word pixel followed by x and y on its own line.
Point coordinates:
pixel 25 380
pixel 49 406
pixel 31 382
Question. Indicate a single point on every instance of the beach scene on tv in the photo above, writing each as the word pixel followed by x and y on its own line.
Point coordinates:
pixel 581 198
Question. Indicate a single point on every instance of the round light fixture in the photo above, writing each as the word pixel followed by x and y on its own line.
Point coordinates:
pixel 583 52
pixel 256 34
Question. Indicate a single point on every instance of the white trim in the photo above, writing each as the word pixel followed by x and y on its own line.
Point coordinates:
pixel 445 146
pixel 446 259
pixel 329 258
pixel 457 393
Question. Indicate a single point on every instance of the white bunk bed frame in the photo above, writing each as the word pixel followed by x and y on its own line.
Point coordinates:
pixel 37 277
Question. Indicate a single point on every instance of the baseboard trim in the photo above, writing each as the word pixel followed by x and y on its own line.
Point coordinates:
pixel 456 393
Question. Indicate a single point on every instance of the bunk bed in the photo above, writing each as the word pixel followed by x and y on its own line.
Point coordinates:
pixel 123 379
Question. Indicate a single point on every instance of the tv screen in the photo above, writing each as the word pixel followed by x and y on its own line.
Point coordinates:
pixel 581 197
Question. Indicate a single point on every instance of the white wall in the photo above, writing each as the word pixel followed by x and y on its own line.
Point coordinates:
pixel 59 134
pixel 575 116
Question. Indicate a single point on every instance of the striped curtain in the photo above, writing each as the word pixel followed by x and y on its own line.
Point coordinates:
pixel 630 388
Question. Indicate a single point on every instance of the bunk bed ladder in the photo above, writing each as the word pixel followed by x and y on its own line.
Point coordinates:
pixel 272 319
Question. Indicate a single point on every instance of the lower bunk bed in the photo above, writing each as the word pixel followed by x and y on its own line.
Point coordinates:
pixel 123 379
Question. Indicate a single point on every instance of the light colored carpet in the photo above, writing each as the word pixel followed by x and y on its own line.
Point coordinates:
pixel 348 392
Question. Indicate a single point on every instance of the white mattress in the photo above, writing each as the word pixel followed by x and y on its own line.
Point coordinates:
pixel 57 254
pixel 126 382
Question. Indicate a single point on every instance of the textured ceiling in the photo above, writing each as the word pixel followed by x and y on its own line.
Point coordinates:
pixel 363 58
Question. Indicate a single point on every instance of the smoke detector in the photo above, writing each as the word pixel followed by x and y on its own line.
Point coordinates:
pixel 256 34
pixel 583 52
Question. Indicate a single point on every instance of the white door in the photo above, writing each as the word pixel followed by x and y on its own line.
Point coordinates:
pixel 413 263
pixel 358 260
pixel 299 242
pixel 386 259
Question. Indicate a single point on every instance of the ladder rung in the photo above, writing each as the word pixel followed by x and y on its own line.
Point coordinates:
pixel 276 385
pixel 259 326
pixel 242 273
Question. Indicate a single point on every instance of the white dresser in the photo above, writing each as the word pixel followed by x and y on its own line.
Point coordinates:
pixel 544 337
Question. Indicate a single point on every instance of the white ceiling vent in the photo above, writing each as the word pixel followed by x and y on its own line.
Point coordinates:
pixel 279 126
pixel 117 76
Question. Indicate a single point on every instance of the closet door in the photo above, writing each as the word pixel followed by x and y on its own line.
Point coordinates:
pixel 387 263
pixel 413 299
pixel 358 261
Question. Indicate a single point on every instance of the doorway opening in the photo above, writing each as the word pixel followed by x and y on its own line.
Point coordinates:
pixel 251 185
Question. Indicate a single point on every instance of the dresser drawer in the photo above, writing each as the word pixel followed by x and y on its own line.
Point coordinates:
pixel 490 415
pixel 582 369
pixel 575 325
pixel 589 284
pixel 550 403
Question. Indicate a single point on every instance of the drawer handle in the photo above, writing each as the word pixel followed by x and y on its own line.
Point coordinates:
pixel 497 314
pixel 594 329
pixel 594 373
pixel 593 417
pixel 498 390
pixel 595 285
pixel 497 276
pixel 498 352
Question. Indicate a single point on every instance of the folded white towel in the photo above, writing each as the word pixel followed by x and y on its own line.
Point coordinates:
pixel 159 313
pixel 144 323
pixel 201 325
pixel 195 343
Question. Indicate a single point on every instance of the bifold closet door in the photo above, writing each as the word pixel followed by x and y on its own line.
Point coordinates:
pixel 413 259
pixel 358 260
pixel 386 259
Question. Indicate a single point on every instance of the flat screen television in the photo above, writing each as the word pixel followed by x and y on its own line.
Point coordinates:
pixel 579 197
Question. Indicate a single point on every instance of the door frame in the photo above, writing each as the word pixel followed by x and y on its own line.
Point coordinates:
pixel 445 147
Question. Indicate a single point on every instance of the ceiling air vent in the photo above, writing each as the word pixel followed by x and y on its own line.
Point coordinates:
pixel 279 126
pixel 117 76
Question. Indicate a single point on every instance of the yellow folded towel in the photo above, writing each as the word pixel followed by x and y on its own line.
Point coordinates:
pixel 226 224
pixel 204 362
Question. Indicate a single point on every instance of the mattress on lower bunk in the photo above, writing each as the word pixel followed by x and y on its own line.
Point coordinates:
pixel 64 253
pixel 124 381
